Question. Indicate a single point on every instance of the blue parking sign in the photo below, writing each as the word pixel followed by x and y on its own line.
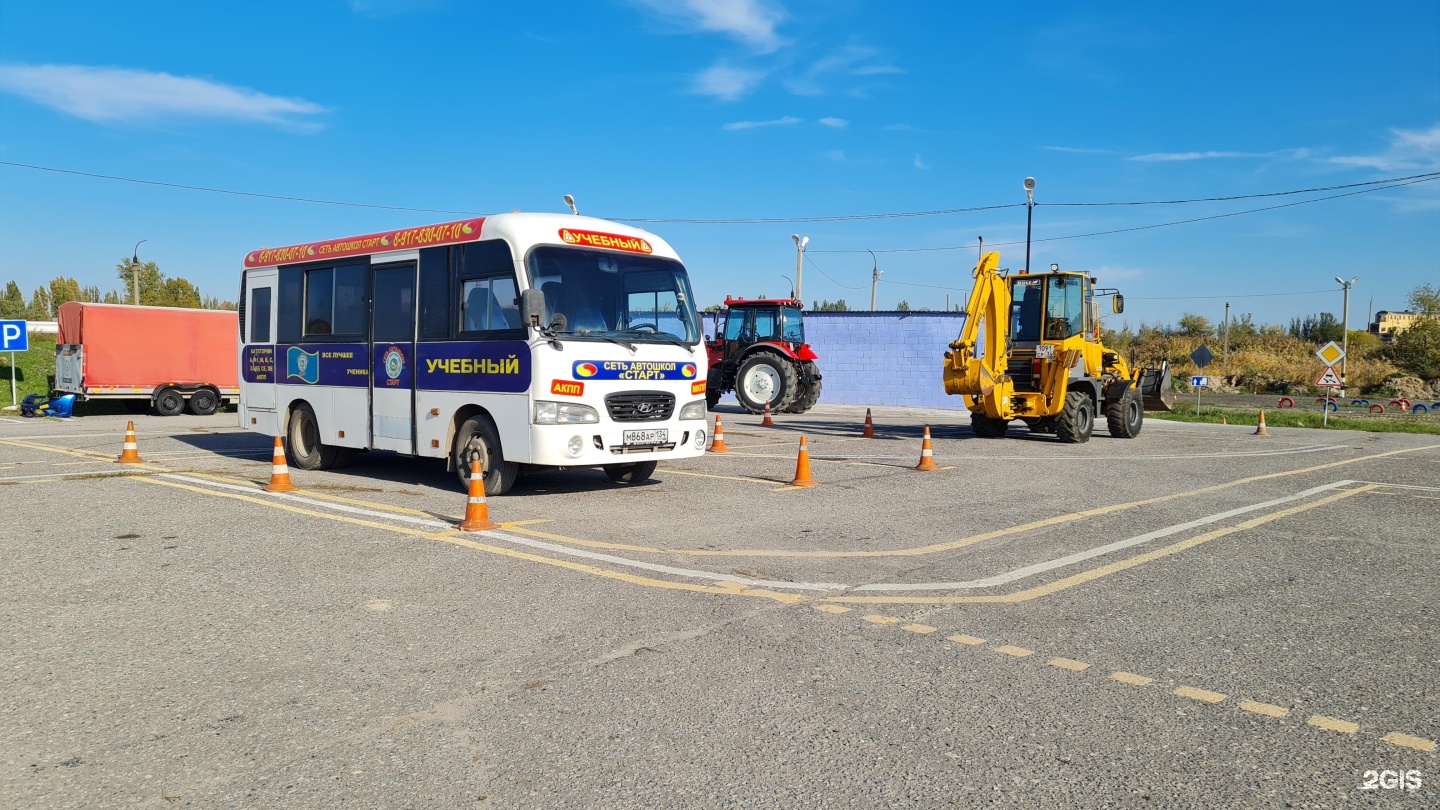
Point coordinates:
pixel 1200 382
pixel 14 336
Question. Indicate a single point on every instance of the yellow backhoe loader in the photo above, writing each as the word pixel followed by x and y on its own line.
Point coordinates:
pixel 1030 350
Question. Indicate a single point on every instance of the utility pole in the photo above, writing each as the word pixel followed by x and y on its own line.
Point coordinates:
pixel 1225 357
pixel 875 274
pixel 1029 211
pixel 800 243
pixel 135 271
pixel 1345 328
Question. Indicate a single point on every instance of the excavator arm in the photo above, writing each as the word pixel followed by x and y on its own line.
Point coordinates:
pixel 976 363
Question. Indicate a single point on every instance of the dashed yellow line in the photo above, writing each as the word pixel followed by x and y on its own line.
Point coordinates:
pixel 1017 652
pixel 834 609
pixel 921 629
pixel 1068 663
pixel 875 618
pixel 1331 724
pixel 969 641
pixel 1202 695
pixel 1267 709
pixel 1131 678
pixel 1409 741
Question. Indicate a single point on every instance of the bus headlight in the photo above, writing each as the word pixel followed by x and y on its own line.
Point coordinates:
pixel 693 410
pixel 700 440
pixel 564 413
pixel 575 446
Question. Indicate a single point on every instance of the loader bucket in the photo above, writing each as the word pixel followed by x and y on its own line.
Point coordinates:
pixel 1155 386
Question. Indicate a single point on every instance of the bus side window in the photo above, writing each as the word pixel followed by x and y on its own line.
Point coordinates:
pixel 488 304
pixel 260 315
pixel 434 293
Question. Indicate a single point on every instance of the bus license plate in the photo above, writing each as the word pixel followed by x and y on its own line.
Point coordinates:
pixel 646 436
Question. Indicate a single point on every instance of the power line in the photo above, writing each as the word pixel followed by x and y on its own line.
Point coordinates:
pixel 1227 297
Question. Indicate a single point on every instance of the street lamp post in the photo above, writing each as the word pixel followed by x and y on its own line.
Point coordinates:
pixel 792 284
pixel 800 243
pixel 135 271
pixel 1029 210
pixel 1345 329
pixel 875 274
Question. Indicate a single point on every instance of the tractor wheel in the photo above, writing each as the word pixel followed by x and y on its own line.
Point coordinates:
pixel 987 428
pixel 635 473
pixel 766 377
pixel 809 394
pixel 712 398
pixel 1077 421
pixel 1125 416
pixel 479 439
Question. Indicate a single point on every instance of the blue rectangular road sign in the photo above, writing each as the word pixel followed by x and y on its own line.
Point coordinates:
pixel 14 336
pixel 1199 382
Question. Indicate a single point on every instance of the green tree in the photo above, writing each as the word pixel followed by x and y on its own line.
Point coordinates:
pixel 826 306
pixel 1417 349
pixel 151 280
pixel 63 291
pixel 177 292
pixel 1192 325
pixel 903 306
pixel 40 309
pixel 1321 327
pixel 12 306
pixel 112 297
pixel 90 295
pixel 1425 299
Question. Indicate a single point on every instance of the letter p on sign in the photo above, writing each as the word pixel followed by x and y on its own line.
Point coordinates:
pixel 14 336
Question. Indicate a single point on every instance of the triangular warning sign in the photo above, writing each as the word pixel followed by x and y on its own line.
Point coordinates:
pixel 1329 379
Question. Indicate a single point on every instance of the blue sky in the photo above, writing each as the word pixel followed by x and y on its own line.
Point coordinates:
pixel 733 109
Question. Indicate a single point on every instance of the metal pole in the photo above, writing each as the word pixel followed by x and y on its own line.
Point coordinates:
pixel 135 271
pixel 875 274
pixel 799 266
pixel 1225 359
pixel 14 398
pixel 1029 213
pixel 1344 341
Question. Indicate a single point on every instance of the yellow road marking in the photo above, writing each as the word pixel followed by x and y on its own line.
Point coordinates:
pixel 1103 571
pixel 740 478
pixel 875 618
pixel 455 538
pixel 1331 724
pixel 919 628
pixel 1130 678
pixel 311 493
pixel 1267 709
pixel 66 451
pixel 971 641
pixel 1018 652
pixel 1068 663
pixel 1407 741
pixel 978 538
pixel 1204 695
pixel 832 609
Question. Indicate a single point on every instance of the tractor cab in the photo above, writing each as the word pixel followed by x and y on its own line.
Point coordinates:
pixel 758 350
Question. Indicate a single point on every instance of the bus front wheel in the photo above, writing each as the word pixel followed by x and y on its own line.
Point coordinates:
pixel 630 473
pixel 479 440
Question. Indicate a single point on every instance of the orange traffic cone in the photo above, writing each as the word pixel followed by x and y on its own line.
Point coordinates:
pixel 279 471
pixel 927 455
pixel 130 453
pixel 477 514
pixel 718 446
pixel 767 421
pixel 869 426
pixel 1224 421
pixel 1261 431
pixel 802 468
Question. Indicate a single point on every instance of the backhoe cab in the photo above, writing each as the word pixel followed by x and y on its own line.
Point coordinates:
pixel 1030 350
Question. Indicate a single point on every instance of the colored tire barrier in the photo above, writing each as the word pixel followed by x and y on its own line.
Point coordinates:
pixel 1394 403
pixel 1332 406
pixel 1377 408
pixel 1420 408
pixel 1359 403
pixel 1287 402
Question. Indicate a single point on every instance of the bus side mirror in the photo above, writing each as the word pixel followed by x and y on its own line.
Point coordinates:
pixel 532 307
pixel 1118 304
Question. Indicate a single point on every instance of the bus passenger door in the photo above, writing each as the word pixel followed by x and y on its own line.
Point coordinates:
pixel 257 356
pixel 392 358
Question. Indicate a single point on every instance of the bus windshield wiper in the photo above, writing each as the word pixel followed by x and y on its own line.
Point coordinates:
pixel 665 336
pixel 602 336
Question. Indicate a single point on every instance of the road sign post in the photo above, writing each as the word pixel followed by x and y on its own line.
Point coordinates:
pixel 1328 380
pixel 14 337
pixel 1202 358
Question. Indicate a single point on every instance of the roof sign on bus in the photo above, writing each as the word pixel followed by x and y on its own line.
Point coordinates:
pixel 610 241
pixel 465 230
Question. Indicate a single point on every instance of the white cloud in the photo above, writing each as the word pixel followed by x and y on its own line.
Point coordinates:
pixel 725 82
pixel 1165 157
pixel 1078 150
pixel 837 155
pixel 1409 150
pixel 835 123
pixel 898 128
pixel 788 120
pixel 920 164
pixel 849 61
pixel 117 94
pixel 750 21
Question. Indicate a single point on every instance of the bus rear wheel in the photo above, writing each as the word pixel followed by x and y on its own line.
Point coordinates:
pixel 478 439
pixel 303 447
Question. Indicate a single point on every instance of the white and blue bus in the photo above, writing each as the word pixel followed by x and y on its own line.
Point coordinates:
pixel 518 339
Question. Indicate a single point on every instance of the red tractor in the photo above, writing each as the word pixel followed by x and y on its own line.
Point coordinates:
pixel 761 355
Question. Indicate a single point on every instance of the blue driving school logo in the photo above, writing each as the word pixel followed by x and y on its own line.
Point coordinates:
pixel 302 364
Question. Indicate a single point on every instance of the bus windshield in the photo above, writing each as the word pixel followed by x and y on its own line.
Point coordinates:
pixel 592 292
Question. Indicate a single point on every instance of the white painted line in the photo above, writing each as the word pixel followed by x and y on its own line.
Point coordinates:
pixel 72 475
pixel 338 507
pixel 664 569
pixel 15 421
pixel 1071 559
pixel 950 457
pixel 1401 486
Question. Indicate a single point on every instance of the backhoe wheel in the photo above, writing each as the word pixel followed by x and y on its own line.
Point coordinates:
pixel 636 473
pixel 479 439
pixel 809 394
pixel 1126 415
pixel 987 428
pixel 1077 421
pixel 765 377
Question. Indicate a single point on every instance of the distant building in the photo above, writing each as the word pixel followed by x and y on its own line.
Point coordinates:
pixel 1389 324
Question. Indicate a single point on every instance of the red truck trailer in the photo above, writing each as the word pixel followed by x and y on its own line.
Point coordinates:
pixel 165 357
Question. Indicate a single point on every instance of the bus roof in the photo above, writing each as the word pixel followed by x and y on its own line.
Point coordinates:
pixel 519 229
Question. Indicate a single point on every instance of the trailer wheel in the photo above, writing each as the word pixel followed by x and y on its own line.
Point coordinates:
pixel 1077 421
pixel 987 428
pixel 764 377
pixel 204 402
pixel 303 447
pixel 169 402
pixel 479 439
pixel 635 473
pixel 1125 416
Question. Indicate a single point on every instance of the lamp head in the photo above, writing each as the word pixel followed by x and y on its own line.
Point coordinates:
pixel 1029 184
pixel 570 201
